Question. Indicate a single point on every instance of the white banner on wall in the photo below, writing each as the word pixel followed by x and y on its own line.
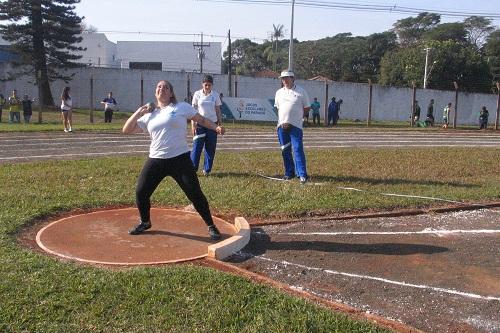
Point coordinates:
pixel 254 109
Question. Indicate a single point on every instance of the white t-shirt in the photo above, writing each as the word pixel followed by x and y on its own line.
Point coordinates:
pixel 168 128
pixel 67 104
pixel 291 104
pixel 206 104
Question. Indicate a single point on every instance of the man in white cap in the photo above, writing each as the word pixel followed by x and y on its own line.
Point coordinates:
pixel 292 101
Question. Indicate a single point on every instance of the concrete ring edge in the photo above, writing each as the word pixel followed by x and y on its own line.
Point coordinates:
pixel 233 244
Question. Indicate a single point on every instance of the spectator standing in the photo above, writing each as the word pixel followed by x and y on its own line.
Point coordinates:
pixel 208 104
pixel 483 118
pixel 305 121
pixel 168 154
pixel 332 112
pixel 446 115
pixel 2 104
pixel 315 106
pixel 109 106
pixel 15 108
pixel 66 109
pixel 27 109
pixel 416 113
pixel 292 101
pixel 339 103
pixel 429 120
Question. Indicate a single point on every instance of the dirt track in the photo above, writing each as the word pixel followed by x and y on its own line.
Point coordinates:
pixel 433 281
pixel 22 147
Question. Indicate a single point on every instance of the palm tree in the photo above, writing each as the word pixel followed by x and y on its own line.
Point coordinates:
pixel 278 32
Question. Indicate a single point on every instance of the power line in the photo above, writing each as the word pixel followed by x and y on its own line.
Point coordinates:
pixel 350 6
pixel 164 33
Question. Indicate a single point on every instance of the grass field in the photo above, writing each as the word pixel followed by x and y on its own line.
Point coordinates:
pixel 42 294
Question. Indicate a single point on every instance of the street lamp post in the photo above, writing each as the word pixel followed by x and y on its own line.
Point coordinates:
pixel 426 66
pixel 290 48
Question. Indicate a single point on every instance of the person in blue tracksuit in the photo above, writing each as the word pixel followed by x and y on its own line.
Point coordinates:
pixel 208 104
pixel 333 112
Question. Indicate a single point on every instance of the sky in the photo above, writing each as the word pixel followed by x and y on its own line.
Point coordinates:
pixel 186 20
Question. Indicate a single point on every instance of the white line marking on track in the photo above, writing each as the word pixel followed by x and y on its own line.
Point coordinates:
pixel 288 180
pixel 374 278
pixel 398 195
pixel 421 232
pixel 358 190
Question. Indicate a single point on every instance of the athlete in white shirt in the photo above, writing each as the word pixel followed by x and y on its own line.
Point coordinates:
pixel 66 109
pixel 208 103
pixel 168 154
pixel 292 101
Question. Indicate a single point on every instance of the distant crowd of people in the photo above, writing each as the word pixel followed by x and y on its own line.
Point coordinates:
pixel 333 113
pixel 16 105
pixel 447 109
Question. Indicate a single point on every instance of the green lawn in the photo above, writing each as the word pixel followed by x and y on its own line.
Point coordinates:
pixel 43 294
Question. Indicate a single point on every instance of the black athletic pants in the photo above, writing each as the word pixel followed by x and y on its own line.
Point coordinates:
pixel 181 169
pixel 108 115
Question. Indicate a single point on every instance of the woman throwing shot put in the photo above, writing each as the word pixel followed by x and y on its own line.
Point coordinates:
pixel 168 154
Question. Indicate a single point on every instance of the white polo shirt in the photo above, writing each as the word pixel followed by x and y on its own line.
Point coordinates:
pixel 291 104
pixel 167 128
pixel 206 104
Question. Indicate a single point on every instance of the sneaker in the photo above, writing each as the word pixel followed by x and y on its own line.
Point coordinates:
pixel 213 232
pixel 65 131
pixel 304 180
pixel 140 228
pixel 70 130
pixel 286 178
pixel 205 173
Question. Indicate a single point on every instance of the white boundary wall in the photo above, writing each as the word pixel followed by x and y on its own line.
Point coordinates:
pixel 388 103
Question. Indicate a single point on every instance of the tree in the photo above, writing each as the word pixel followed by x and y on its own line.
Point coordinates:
pixel 492 51
pixel 278 32
pixel 478 28
pixel 344 57
pixel 43 34
pixel 447 31
pixel 410 30
pixel 88 28
pixel 248 57
pixel 454 62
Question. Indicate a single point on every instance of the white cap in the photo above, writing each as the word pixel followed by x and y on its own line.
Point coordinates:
pixel 287 73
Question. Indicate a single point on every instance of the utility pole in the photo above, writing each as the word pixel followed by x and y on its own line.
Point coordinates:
pixel 290 48
pixel 413 103
pixel 201 52
pixel 426 66
pixel 456 105
pixel 91 102
pixel 498 106
pixel 39 86
pixel 370 96
pixel 229 66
